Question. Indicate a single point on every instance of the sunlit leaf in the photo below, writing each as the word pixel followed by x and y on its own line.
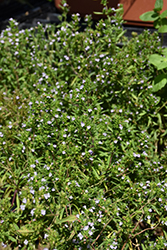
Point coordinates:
pixel 158 5
pixel 164 14
pixel 70 218
pixel 159 82
pixel 149 16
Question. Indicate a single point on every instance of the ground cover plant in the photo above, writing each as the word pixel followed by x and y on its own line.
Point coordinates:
pixel 82 138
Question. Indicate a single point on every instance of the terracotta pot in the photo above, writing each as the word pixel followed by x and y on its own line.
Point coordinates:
pixel 132 9
pixel 86 6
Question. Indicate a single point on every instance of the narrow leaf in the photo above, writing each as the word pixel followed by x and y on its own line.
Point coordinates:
pixel 69 218
pixel 71 235
pixel 98 13
pixel 159 120
pixel 135 97
pixel 25 231
pixel 15 226
pixel 17 202
pixel 143 247
pixel 95 173
pixel 12 239
pixel 165 133
pixel 61 213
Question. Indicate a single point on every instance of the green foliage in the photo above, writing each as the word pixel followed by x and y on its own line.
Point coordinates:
pixel 82 138
pixel 159 61
pixel 160 21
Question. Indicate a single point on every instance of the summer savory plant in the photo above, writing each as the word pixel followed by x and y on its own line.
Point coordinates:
pixel 82 138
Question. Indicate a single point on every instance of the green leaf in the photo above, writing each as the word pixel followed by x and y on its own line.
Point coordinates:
pixel 15 226
pixel 155 208
pixel 121 34
pixel 159 120
pixel 165 235
pixel 98 13
pixel 61 213
pixel 158 5
pixel 12 239
pixel 24 230
pixel 164 52
pixel 163 29
pixel 134 97
pixel 70 218
pixel 71 235
pixel 157 61
pixel 163 14
pixel 149 16
pixel 95 173
pixel 143 247
pixel 17 202
pixel 163 65
pixel 157 23
pixel 159 82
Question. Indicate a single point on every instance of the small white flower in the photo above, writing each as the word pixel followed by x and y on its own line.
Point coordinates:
pixel 25 242
pixel 120 126
pixel 120 223
pixel 90 232
pixel 82 124
pixel 22 207
pixel 24 200
pixel 86 228
pixel 32 211
pixel 80 236
pixel 32 165
pixel 45 236
pixel 43 212
pixel 47 196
